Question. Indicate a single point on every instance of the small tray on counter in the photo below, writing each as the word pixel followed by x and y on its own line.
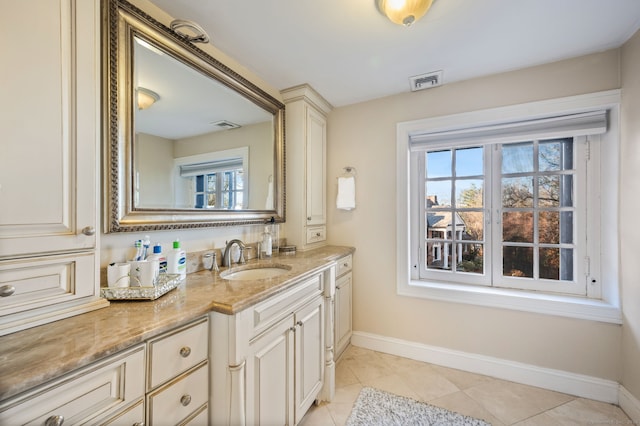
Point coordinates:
pixel 165 283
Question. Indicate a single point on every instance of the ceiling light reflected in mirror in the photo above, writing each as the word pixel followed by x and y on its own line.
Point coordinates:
pixel 146 97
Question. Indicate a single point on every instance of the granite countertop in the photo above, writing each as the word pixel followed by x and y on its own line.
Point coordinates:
pixel 34 356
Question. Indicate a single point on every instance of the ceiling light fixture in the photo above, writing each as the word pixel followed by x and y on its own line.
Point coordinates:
pixel 403 12
pixel 146 97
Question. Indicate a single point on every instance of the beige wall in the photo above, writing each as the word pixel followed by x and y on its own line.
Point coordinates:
pixel 630 205
pixel 364 136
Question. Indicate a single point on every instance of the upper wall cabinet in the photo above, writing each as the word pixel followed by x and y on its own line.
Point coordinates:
pixel 50 134
pixel 306 130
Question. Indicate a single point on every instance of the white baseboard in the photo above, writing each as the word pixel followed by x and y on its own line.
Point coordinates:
pixel 547 378
pixel 630 405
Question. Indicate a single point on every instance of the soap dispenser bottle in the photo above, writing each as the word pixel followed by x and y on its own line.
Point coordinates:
pixel 267 242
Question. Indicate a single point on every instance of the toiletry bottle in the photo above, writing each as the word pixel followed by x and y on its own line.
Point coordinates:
pixel 161 258
pixel 177 260
pixel 267 242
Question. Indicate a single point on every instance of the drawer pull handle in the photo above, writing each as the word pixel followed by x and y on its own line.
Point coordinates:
pixel 185 352
pixel 88 230
pixel 185 400
pixel 54 421
pixel 7 290
pixel 138 424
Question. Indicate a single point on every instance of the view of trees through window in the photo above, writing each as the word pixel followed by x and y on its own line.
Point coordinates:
pixel 535 212
pixel 220 190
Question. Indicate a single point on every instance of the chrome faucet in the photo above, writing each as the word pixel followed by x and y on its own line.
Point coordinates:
pixel 226 256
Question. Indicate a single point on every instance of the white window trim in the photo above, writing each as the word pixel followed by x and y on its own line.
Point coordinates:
pixel 606 309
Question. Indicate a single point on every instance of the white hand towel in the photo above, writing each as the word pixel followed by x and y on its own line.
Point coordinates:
pixel 346 199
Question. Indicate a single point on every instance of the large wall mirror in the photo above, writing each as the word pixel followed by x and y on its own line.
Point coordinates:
pixel 189 142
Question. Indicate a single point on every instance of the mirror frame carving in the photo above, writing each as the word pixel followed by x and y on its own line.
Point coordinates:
pixel 123 22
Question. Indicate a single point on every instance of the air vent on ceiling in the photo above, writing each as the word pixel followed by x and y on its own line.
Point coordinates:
pixel 426 81
pixel 225 125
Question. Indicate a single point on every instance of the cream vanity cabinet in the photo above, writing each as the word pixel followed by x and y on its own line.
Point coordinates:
pixel 110 391
pixel 178 376
pixel 268 360
pixel 48 167
pixel 162 381
pixel 343 304
pixel 306 136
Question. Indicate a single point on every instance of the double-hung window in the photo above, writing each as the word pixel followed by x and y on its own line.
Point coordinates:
pixel 513 207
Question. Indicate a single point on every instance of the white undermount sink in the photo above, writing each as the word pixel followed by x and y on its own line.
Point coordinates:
pixel 255 273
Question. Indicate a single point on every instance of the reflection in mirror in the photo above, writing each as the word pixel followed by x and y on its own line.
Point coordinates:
pixel 192 143
pixel 188 117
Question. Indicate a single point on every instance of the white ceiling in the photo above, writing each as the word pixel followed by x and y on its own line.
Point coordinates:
pixel 350 53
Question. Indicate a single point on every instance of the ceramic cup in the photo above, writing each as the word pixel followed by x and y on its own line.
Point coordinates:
pixel 118 275
pixel 144 273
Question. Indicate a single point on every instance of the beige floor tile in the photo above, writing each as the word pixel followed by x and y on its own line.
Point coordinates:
pixel 367 367
pixel 340 412
pixel 344 375
pixel 583 411
pixel 461 403
pixel 462 379
pixel 399 364
pixel 347 394
pixel 539 420
pixel 317 416
pixel 513 402
pixel 393 384
pixel 428 384
pixel 496 401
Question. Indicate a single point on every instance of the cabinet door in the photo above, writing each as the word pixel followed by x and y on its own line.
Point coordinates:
pixel 49 126
pixel 316 166
pixel 270 376
pixel 309 361
pixel 342 316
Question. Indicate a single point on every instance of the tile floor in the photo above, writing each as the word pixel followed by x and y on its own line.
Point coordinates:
pixel 498 402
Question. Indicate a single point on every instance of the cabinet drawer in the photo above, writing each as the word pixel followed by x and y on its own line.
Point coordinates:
pixel 275 308
pixel 180 399
pixel 43 281
pixel 90 394
pixel 344 265
pixel 132 416
pixel 316 234
pixel 174 353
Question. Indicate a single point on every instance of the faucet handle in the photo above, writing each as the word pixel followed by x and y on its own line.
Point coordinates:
pixel 241 261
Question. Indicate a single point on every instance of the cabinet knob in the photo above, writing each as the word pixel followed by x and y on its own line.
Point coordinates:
pixel 54 421
pixel 300 323
pixel 88 230
pixel 185 352
pixel 308 217
pixel 318 234
pixel 7 290
pixel 185 400
pixel 292 329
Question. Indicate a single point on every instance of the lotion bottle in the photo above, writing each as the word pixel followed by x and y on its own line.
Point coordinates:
pixel 161 258
pixel 267 242
pixel 177 260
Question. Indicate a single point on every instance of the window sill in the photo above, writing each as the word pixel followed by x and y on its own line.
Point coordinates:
pixel 565 306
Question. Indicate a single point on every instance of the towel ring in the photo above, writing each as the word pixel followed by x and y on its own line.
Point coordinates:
pixel 200 36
